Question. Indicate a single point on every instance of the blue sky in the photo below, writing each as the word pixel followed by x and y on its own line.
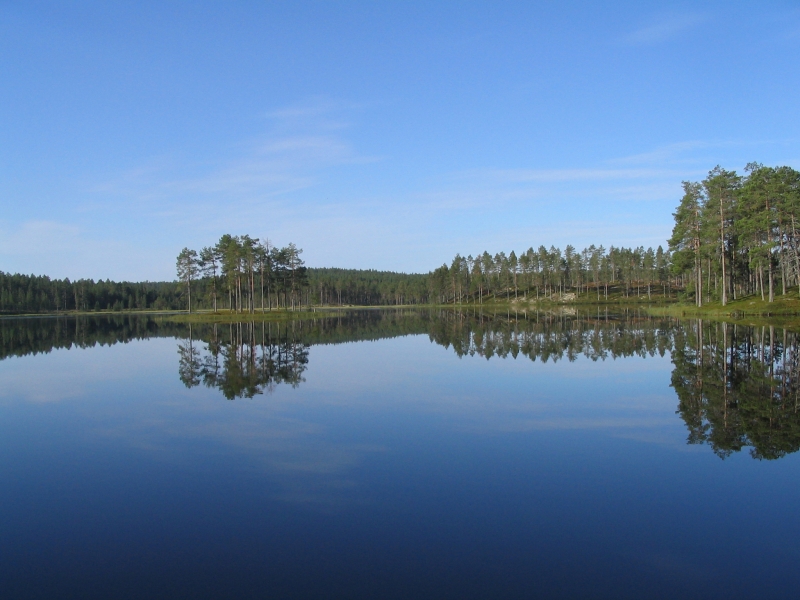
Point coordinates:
pixel 377 134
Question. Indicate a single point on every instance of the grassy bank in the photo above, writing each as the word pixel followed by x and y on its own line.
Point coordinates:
pixel 181 316
pixel 234 317
pixel 783 305
pixel 784 311
pixel 784 308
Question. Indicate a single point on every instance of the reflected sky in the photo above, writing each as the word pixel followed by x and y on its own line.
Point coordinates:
pixel 397 468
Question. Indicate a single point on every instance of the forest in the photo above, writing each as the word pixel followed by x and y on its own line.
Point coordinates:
pixel 734 235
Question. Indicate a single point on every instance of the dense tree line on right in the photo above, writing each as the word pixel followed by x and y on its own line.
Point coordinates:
pixel 737 235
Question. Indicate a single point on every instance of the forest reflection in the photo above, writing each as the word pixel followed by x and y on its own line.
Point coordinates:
pixel 243 359
pixel 737 385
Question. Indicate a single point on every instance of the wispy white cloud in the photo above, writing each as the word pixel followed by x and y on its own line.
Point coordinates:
pixel 694 158
pixel 303 143
pixel 317 108
pixel 295 183
pixel 498 187
pixel 570 175
pixel 663 28
pixel 679 152
pixel 270 167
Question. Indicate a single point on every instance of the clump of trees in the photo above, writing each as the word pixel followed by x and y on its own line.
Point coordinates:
pixel 737 235
pixel 246 272
pixel 551 272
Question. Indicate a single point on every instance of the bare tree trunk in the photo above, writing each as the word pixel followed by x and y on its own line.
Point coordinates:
pixel 722 249
pixel 783 262
pixel 796 253
pixel 252 289
pixel 771 285
pixel 699 291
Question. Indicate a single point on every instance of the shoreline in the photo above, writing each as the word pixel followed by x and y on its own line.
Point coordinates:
pixel 784 307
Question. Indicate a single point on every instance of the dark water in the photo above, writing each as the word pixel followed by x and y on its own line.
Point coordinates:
pixel 399 455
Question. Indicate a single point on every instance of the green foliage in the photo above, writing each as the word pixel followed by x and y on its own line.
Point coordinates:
pixel 735 236
pixel 251 275
pixel 550 274
pixel 341 287
pixel 22 294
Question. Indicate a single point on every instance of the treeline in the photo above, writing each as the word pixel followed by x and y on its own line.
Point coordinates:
pixel 736 235
pixel 25 294
pixel 738 387
pixel 39 294
pixel 367 287
pixel 552 273
pixel 244 274
pixel 23 336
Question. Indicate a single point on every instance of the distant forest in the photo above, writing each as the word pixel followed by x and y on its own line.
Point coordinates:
pixel 40 294
pixel 733 235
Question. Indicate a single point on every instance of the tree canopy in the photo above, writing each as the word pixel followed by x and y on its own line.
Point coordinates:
pixel 737 235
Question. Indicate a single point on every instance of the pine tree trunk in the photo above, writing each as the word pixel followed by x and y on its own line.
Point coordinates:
pixel 796 253
pixel 699 291
pixel 771 285
pixel 722 249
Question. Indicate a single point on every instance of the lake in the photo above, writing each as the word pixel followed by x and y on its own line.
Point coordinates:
pixel 399 454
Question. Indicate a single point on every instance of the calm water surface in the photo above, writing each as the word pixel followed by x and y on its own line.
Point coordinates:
pixel 399 455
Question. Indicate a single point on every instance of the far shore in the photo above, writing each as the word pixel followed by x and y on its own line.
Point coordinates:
pixel 783 311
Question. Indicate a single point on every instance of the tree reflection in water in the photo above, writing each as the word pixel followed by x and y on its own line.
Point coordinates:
pixel 737 385
pixel 243 359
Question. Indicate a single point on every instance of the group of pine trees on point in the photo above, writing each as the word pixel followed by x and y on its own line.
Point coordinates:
pixel 737 235
pixel 246 272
